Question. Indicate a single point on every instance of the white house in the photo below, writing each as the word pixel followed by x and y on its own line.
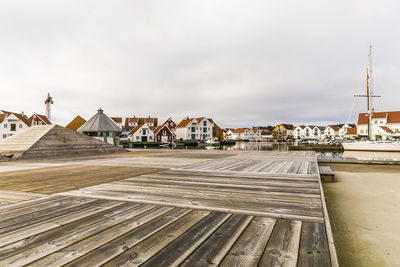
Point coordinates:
pixel 257 134
pixel 332 132
pixel 318 132
pixel 241 134
pixel 141 133
pixel 389 119
pixel 303 132
pixel 229 135
pixel 343 130
pixel 194 129
pixel 11 123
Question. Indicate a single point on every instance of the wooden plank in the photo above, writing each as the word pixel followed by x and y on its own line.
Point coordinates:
pixel 249 209
pixel 183 246
pixel 241 174
pixel 53 245
pixel 154 243
pixel 294 168
pixel 229 187
pixel 32 207
pixel 201 202
pixel 249 248
pixel 212 251
pixel 303 167
pixel 224 180
pixel 43 215
pixel 283 246
pixel 12 237
pixel 305 203
pixel 312 168
pixel 313 245
pixel 115 239
pixel 30 242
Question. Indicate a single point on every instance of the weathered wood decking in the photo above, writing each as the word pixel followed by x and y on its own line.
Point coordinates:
pixel 255 208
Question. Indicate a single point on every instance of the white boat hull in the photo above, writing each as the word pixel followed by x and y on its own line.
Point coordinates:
pixel 372 146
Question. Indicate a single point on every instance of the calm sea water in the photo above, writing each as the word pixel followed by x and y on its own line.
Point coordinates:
pixel 384 156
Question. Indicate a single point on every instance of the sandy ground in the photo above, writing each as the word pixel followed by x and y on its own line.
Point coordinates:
pixel 364 209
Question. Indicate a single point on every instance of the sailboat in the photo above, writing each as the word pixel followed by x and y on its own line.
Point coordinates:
pixel 371 144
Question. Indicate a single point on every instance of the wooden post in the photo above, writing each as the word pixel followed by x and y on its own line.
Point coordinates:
pixel 105 137
pixel 114 138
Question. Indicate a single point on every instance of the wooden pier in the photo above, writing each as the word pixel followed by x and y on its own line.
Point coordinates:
pixel 163 208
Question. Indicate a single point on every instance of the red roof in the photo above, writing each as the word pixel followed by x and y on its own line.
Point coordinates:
pixel 2 116
pixel 352 131
pixel 183 123
pixel 141 121
pixel 117 119
pixel 392 117
pixel 159 128
pixel 23 118
pixel 241 130
pixel 335 128
pixel 387 129
pixel 134 130
pixel 41 117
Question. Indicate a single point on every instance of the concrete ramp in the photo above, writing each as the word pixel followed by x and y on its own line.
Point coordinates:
pixel 52 141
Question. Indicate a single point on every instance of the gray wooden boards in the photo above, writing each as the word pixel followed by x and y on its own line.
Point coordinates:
pixel 76 231
pixel 291 196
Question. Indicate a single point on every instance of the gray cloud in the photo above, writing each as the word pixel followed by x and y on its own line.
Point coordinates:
pixel 241 62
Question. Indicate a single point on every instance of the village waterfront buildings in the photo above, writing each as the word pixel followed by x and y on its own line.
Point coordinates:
pixel 12 122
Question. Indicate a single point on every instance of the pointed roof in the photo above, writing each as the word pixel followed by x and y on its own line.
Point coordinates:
pixel 100 122
pixel 76 123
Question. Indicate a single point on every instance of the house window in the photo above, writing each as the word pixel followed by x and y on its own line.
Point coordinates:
pixel 150 137
pixel 164 132
pixel 137 137
pixel 204 123
pixel 13 127
pixel 40 123
pixel 144 131
pixel 193 129
pixel 5 125
pixel 204 130
pixel 4 135
pixel 20 125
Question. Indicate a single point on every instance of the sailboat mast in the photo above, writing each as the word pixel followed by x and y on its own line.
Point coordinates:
pixel 369 94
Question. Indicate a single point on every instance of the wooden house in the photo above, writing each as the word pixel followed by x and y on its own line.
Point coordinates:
pixel 163 134
pixel 141 133
pixel 195 129
pixel 11 123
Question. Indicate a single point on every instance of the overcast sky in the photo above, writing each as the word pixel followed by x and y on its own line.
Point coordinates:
pixel 243 63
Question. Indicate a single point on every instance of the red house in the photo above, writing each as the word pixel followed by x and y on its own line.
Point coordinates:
pixel 163 134
pixel 170 124
pixel 38 119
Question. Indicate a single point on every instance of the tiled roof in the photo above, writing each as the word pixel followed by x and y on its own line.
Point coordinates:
pixel 387 129
pixel 134 130
pixel 117 119
pixel 23 118
pixel 335 128
pixel 351 131
pixel 41 117
pixel 392 117
pixel 184 123
pixel 2 116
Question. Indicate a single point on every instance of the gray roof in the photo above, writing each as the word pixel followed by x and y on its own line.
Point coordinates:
pixel 100 123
